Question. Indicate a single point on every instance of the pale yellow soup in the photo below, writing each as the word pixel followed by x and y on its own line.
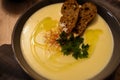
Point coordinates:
pixel 46 58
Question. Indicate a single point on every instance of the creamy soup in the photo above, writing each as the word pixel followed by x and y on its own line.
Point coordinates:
pixel 44 56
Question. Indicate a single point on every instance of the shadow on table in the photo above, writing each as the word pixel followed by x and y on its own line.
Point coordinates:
pixel 10 69
pixel 16 6
pixel 115 3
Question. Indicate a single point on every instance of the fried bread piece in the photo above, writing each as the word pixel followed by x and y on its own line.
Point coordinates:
pixel 70 11
pixel 86 14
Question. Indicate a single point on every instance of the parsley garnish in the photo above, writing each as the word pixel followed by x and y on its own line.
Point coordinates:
pixel 73 45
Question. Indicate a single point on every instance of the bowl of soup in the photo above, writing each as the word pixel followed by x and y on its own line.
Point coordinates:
pixel 43 60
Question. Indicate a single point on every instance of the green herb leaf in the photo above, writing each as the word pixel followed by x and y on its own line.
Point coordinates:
pixel 71 46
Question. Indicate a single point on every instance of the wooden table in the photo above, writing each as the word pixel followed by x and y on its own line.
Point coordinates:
pixel 10 11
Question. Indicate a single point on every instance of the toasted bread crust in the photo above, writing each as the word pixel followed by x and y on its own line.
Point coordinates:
pixel 75 18
pixel 87 12
pixel 70 11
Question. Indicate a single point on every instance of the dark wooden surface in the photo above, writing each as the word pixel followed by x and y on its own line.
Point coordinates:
pixel 10 11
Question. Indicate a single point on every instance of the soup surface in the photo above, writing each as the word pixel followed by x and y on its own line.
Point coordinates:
pixel 44 55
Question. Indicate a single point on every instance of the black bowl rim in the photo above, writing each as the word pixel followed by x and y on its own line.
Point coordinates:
pixel 107 15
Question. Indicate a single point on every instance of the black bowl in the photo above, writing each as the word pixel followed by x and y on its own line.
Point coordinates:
pixel 113 23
